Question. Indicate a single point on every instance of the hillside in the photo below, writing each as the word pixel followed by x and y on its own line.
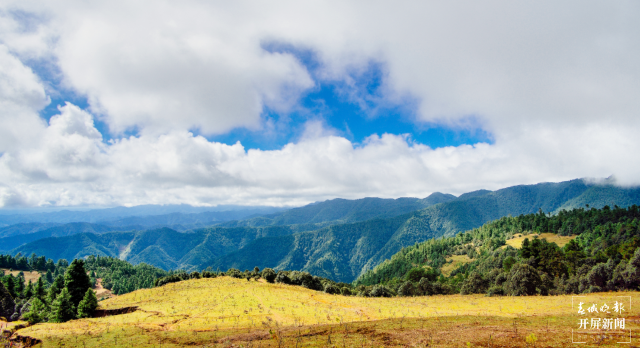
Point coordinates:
pixel 344 252
pixel 235 312
pixel 339 251
pixel 15 240
pixel 579 251
pixel 164 248
pixel 338 211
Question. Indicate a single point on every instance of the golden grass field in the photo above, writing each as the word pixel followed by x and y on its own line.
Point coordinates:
pixel 28 275
pixel 453 262
pixel 228 312
pixel 516 242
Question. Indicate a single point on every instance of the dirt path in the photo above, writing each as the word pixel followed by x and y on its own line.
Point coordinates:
pixel 101 292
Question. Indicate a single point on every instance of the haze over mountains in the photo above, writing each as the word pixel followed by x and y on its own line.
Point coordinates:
pixel 338 239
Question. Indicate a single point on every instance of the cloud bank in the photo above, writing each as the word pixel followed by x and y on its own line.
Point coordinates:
pixel 555 84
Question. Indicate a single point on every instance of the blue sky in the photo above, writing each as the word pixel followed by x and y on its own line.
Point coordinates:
pixel 354 111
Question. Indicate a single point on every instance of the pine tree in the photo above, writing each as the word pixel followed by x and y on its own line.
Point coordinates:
pixel 37 312
pixel 49 276
pixel 76 281
pixel 88 304
pixel 28 291
pixel 39 291
pixel 55 289
pixel 62 308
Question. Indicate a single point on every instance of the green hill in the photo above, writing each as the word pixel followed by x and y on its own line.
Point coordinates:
pixel 598 251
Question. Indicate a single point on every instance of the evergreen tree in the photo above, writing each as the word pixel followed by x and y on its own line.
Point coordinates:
pixel 55 289
pixel 62 308
pixel 49 276
pixel 18 282
pixel 37 312
pixel 28 291
pixel 9 284
pixel 76 281
pixel 88 304
pixel 7 304
pixel 39 291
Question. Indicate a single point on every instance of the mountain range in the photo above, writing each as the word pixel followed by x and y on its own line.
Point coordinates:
pixel 338 239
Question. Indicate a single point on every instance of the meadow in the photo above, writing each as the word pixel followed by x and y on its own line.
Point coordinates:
pixel 230 312
pixel 561 241
pixel 32 276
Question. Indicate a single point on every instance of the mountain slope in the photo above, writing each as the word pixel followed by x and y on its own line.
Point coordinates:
pixel 327 252
pixel 14 241
pixel 341 252
pixel 344 211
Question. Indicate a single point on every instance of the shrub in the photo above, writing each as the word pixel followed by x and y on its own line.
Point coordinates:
pixel 380 291
pixel 407 289
pixel 474 284
pixel 283 278
pixel 269 275
pixel 523 280
pixel 331 289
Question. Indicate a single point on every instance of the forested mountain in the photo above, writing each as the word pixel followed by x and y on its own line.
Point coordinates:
pixel 338 211
pixel 601 252
pixel 341 252
pixel 164 248
pixel 16 240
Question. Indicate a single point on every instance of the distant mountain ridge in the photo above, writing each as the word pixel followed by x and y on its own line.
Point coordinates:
pixel 145 214
pixel 362 234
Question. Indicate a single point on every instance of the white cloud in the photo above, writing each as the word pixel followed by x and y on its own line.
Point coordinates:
pixel 554 83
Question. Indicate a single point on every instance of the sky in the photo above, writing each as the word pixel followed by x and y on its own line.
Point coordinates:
pixel 285 103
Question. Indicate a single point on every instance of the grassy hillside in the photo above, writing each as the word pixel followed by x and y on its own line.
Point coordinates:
pixel 232 312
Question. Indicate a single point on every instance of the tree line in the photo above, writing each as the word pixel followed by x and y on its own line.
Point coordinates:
pixel 69 296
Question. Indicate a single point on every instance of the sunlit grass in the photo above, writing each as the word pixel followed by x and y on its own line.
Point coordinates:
pixel 516 242
pixel 206 310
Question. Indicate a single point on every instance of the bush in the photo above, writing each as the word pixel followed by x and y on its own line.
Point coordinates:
pixel 495 290
pixel 407 289
pixel 380 291
pixel 523 280
pixel 331 289
pixel 269 275
pixel 474 284
pixel 283 278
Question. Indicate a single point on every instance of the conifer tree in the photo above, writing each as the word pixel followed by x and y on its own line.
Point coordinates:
pixel 62 308
pixel 37 312
pixel 39 291
pixel 76 281
pixel 28 291
pixel 88 304
pixel 49 276
pixel 55 289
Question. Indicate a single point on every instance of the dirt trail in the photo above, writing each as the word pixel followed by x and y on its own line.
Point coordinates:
pixel 101 292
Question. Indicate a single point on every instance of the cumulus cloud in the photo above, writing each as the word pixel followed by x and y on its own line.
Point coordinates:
pixel 554 83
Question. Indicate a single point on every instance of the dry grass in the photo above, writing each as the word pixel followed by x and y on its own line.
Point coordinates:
pixel 207 312
pixel 28 275
pixel 453 262
pixel 516 242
